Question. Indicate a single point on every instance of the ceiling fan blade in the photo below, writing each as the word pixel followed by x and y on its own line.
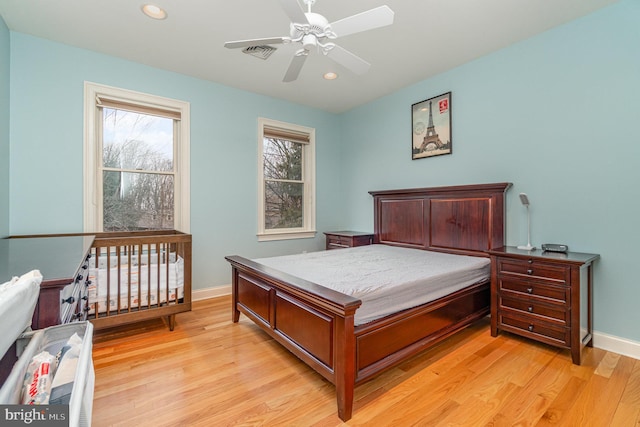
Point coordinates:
pixel 294 68
pixel 294 11
pixel 348 60
pixel 373 18
pixel 256 42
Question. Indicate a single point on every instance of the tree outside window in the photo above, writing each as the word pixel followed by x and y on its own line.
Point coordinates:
pixel 287 174
pixel 137 171
pixel 284 187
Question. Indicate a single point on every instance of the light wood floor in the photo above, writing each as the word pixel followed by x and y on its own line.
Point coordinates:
pixel 211 372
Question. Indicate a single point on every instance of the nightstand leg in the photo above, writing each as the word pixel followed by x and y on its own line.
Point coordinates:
pixel 576 356
pixel 494 322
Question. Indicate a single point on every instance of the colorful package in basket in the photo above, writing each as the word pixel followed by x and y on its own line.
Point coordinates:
pixel 36 388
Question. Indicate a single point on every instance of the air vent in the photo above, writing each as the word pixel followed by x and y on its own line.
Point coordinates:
pixel 262 52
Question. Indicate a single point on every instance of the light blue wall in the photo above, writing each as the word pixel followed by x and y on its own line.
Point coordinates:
pixel 46 148
pixel 558 115
pixel 4 129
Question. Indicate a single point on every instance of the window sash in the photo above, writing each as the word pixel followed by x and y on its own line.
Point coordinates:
pixel 298 134
pixel 174 154
pixel 133 172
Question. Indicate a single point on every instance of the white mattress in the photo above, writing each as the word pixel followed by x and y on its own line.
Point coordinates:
pixel 99 283
pixel 387 279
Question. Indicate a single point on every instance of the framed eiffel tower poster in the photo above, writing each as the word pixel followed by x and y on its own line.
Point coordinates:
pixel 431 127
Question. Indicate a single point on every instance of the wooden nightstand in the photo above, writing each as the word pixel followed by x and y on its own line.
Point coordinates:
pixel 544 296
pixel 347 239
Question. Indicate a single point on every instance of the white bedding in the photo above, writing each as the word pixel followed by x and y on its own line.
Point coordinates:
pixel 98 287
pixel 387 279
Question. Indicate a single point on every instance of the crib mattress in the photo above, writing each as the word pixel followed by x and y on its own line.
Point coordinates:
pixel 128 294
pixel 387 279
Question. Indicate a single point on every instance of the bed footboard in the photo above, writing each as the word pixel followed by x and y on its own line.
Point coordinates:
pixel 137 276
pixel 315 323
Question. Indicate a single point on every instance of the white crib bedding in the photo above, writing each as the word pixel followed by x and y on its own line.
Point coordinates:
pixel 387 279
pixel 97 291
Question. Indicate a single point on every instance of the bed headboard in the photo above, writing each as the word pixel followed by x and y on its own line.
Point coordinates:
pixel 464 219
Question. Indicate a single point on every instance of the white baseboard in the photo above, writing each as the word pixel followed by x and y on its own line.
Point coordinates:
pixel 616 344
pixel 218 291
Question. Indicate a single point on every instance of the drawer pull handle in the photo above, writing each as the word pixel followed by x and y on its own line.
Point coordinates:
pixel 530 309
pixel 530 290
pixel 530 261
pixel 69 300
pixel 530 328
pixel 530 271
pixel 79 278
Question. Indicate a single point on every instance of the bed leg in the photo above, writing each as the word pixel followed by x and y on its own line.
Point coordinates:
pixel 345 363
pixel 345 401
pixel 235 313
pixel 172 321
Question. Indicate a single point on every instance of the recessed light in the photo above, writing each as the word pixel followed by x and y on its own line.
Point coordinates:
pixel 330 76
pixel 153 11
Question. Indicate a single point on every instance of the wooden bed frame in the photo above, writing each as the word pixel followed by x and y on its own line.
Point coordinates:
pixel 317 324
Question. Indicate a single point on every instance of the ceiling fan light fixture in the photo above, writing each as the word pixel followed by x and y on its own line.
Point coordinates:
pixel 153 11
pixel 330 75
pixel 314 32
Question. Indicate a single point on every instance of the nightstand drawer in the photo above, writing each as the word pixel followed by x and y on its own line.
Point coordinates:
pixel 532 328
pixel 545 292
pixel 533 308
pixel 334 241
pixel 535 269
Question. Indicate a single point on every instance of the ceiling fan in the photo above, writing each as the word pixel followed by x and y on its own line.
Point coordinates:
pixel 313 31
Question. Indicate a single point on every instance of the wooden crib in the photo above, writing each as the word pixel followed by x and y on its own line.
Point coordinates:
pixel 109 278
pixel 134 276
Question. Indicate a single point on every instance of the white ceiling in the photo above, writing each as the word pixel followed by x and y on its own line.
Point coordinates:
pixel 426 38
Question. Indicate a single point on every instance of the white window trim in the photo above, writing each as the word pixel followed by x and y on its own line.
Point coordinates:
pixel 309 214
pixel 92 125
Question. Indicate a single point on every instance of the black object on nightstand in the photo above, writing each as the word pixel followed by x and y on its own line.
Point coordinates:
pixel 545 296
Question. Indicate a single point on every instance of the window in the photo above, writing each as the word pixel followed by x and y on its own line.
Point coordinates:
pixel 286 171
pixel 136 161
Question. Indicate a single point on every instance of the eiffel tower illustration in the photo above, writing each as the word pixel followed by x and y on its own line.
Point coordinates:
pixel 431 136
